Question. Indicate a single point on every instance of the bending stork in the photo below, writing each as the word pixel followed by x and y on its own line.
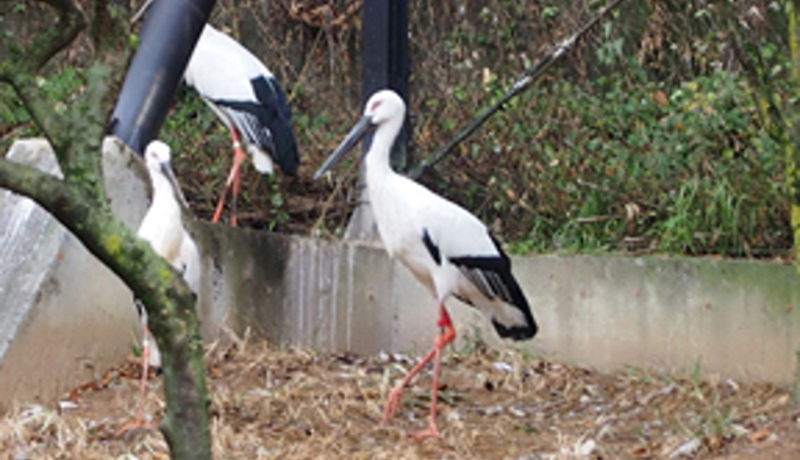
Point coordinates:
pixel 245 95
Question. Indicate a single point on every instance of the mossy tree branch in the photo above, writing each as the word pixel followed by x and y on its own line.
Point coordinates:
pixel 78 202
pixel 28 181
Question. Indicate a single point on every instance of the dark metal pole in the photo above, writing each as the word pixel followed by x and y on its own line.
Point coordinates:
pixel 168 37
pixel 386 62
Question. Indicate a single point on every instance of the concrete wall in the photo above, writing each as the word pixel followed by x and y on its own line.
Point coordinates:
pixel 740 319
pixel 64 318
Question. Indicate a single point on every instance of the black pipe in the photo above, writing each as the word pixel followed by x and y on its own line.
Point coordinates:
pixel 167 39
pixel 386 62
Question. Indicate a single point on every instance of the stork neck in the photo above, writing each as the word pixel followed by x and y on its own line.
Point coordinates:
pixel 161 186
pixel 382 141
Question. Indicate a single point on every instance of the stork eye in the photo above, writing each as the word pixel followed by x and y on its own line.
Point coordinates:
pixel 375 106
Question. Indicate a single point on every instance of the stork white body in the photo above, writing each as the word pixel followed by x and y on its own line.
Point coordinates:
pixel 162 226
pixel 446 248
pixel 405 212
pixel 245 95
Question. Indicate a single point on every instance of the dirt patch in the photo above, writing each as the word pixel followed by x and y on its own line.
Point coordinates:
pixel 276 403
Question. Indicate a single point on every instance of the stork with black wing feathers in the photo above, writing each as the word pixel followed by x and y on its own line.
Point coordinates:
pixel 446 248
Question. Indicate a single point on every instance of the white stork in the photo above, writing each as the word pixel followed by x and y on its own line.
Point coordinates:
pixel 163 229
pixel 247 97
pixel 446 248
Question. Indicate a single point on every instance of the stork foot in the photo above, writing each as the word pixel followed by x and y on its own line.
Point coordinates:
pixel 431 432
pixel 139 423
pixel 393 402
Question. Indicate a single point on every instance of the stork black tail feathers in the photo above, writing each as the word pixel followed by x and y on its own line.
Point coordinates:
pixel 279 123
pixel 513 295
pixel 508 307
pixel 285 146
pixel 518 331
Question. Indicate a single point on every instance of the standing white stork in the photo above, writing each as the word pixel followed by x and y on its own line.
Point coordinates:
pixel 446 248
pixel 163 229
pixel 247 97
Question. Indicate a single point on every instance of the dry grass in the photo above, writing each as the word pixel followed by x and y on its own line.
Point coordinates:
pixel 276 403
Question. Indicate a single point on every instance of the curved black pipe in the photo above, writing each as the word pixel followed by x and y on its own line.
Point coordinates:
pixel 167 39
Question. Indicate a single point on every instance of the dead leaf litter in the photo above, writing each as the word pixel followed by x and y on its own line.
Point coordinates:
pixel 273 402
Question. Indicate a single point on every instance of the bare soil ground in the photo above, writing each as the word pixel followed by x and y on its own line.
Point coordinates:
pixel 277 403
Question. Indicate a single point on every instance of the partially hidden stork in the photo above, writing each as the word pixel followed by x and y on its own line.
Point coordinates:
pixel 247 97
pixel 162 227
pixel 446 248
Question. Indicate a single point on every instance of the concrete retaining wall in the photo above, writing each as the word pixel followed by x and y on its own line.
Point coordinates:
pixel 735 318
pixel 64 318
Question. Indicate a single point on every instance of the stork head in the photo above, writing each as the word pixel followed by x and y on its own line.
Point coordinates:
pixel 383 109
pixel 157 157
pixel 157 154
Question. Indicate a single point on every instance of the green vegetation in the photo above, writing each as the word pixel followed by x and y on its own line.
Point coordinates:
pixel 625 164
pixel 648 138
pixel 615 165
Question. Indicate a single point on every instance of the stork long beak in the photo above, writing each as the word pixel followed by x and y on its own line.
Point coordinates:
pixel 166 168
pixel 355 135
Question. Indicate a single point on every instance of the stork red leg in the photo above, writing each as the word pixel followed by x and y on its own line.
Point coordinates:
pixel 139 422
pixel 395 397
pixel 234 178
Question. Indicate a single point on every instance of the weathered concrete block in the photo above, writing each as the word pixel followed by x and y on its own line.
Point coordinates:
pixel 64 317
